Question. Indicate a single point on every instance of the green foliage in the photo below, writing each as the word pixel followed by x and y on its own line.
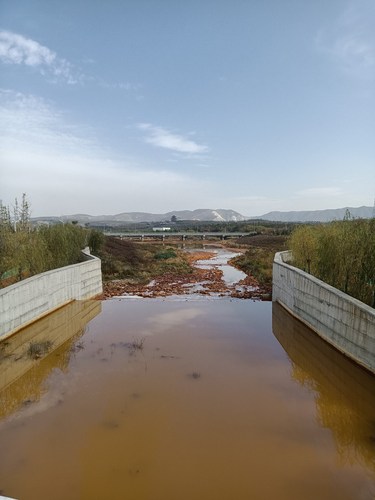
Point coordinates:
pixel 255 226
pixel 63 244
pixel 169 253
pixel 5 218
pixel 26 252
pixel 140 262
pixel 341 253
pixel 122 258
pixel 177 265
pixel 304 243
pixel 95 241
pixel 256 262
pixel 22 215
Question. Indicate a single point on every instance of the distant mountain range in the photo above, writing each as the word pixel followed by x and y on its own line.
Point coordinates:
pixel 219 215
pixel 319 215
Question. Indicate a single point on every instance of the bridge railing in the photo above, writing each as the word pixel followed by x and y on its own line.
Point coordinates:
pixel 177 235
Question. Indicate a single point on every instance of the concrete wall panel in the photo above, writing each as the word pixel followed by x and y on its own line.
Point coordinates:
pixel 343 321
pixel 30 299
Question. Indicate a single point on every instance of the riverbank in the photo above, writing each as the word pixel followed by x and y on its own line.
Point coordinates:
pixel 159 270
pixel 204 281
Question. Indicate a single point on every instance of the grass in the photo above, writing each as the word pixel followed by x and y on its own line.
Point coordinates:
pixel 169 253
pixel 140 262
pixel 257 260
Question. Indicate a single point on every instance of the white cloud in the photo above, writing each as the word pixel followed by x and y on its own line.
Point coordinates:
pixel 162 138
pixel 63 169
pixel 351 53
pixel 17 49
pixel 350 40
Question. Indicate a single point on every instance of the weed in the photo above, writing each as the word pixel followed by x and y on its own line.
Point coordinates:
pixel 38 349
pixel 78 346
pixel 137 344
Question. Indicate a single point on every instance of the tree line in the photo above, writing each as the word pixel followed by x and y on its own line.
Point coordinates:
pixel 341 253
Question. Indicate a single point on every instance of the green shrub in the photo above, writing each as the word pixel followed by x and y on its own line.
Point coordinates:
pixel 28 251
pixel 169 253
pixel 64 242
pixel 95 241
pixel 341 253
pixel 256 262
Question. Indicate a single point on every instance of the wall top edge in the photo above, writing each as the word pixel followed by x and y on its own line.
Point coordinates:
pixel 287 254
pixel 88 259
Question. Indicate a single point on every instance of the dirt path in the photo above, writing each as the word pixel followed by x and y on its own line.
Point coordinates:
pixel 206 282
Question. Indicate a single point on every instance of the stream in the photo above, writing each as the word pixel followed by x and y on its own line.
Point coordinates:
pixel 231 275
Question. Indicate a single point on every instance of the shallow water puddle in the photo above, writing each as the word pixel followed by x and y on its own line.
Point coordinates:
pixel 165 399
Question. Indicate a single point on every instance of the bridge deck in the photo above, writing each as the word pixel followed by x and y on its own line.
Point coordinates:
pixel 181 235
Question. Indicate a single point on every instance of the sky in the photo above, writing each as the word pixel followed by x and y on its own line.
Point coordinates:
pixel 164 105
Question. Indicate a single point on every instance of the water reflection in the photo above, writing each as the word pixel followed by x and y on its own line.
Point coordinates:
pixel 175 400
pixel 344 392
pixel 23 368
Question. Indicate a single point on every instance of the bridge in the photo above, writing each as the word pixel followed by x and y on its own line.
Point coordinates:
pixel 180 236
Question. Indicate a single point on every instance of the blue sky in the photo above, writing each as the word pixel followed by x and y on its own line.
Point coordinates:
pixel 160 105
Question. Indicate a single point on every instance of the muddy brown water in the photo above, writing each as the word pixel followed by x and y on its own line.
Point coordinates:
pixel 153 399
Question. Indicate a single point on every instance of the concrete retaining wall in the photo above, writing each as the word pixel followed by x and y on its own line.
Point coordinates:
pixel 343 321
pixel 30 299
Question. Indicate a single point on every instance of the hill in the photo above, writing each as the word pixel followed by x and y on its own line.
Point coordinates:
pixel 218 215
pixel 319 215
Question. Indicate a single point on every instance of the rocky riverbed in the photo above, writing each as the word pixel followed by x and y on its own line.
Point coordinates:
pixel 204 280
